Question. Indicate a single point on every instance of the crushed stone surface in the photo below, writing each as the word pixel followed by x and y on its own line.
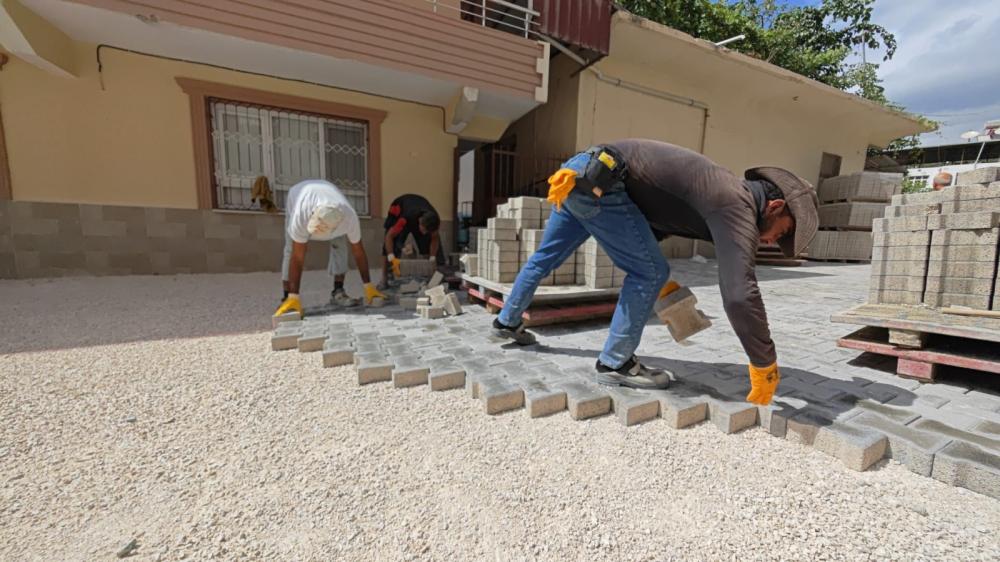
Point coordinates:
pixel 152 409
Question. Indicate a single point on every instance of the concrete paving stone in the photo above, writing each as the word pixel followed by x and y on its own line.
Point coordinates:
pixel 392 339
pixel 409 370
pixel 967 434
pixel 336 353
pixel 632 406
pixel 963 464
pixel 911 447
pixel 368 356
pixel 858 447
pixel 803 427
pixel 774 418
pixel 399 349
pixel 286 317
pixel 584 400
pixel 446 377
pixel 285 338
pixel 813 392
pixel 878 392
pixel 541 399
pixel 680 412
pixel 312 339
pixel 731 417
pixel 499 394
pixel 374 369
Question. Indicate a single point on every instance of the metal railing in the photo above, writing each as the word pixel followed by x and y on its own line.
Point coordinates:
pixel 497 14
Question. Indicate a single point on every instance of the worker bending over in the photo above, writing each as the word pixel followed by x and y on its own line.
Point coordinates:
pixel 317 210
pixel 630 193
pixel 411 215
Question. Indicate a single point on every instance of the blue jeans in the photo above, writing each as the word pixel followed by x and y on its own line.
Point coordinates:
pixel 619 227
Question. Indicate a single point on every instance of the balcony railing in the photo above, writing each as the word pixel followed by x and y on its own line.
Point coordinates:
pixel 497 14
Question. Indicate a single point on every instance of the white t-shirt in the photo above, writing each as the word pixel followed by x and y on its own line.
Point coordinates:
pixel 304 197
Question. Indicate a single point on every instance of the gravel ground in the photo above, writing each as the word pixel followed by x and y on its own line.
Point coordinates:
pixel 151 408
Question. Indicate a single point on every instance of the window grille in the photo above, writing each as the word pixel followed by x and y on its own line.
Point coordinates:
pixel 287 147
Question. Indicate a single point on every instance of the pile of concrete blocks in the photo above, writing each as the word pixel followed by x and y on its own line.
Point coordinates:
pixel 439 303
pixel 940 248
pixel 848 206
pixel 499 250
pixel 509 240
pixel 419 267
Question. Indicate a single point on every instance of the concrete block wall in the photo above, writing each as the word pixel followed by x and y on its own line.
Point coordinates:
pixel 939 248
pixel 61 239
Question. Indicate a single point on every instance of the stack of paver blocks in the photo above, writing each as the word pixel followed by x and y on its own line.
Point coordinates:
pixel 940 248
pixel 509 240
pixel 848 205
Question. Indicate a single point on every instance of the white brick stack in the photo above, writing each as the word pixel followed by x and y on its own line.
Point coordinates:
pixel 509 240
pixel 940 248
pixel 848 206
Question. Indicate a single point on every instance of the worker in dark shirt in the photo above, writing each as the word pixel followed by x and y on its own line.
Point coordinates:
pixel 411 215
pixel 626 194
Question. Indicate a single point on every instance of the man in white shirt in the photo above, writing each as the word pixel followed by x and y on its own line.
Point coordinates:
pixel 317 210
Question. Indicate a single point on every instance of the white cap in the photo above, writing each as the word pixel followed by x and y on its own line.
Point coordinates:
pixel 324 219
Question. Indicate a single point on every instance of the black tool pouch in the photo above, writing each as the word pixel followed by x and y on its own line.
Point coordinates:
pixel 599 175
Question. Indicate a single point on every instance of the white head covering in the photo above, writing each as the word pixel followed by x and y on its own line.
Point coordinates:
pixel 324 219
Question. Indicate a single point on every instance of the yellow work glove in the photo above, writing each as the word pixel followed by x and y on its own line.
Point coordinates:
pixel 763 382
pixel 290 303
pixel 394 261
pixel 371 292
pixel 560 184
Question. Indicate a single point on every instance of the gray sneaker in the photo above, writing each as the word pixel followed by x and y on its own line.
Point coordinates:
pixel 340 298
pixel 633 375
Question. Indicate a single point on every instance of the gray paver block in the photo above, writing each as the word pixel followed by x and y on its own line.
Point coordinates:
pixel 633 407
pixel 968 466
pixel 805 425
pixel 941 427
pixel 585 401
pixel 285 338
pixel 312 339
pixel 337 353
pixel 446 378
pixel 499 395
pixel 911 447
pixel 855 446
pixel 286 317
pixel 731 417
pixel 541 399
pixel 681 412
pixel 774 418
pixel 374 369
pixel 409 370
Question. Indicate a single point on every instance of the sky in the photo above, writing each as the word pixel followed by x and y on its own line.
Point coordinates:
pixel 947 64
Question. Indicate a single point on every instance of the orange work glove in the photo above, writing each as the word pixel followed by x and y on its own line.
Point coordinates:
pixel 560 184
pixel 763 382
pixel 670 287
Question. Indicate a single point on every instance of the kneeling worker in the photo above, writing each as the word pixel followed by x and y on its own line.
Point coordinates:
pixel 629 193
pixel 317 210
pixel 411 214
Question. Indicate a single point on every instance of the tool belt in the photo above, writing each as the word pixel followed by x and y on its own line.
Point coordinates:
pixel 605 172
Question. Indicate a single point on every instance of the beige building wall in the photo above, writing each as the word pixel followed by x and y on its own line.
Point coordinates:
pixel 745 128
pixel 123 137
pixel 551 129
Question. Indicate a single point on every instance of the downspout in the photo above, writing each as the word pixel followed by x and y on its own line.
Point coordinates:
pixel 645 90
pixel 635 87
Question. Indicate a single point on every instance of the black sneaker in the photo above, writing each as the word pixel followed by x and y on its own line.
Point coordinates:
pixel 633 375
pixel 518 335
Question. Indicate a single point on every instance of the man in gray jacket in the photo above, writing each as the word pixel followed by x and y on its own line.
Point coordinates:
pixel 628 194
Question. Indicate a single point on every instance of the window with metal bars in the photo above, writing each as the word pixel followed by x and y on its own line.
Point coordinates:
pixel 286 147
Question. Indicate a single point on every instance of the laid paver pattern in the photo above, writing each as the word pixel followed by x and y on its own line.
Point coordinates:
pixel 848 405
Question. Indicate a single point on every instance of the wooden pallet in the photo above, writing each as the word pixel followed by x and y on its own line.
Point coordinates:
pixel 546 314
pixel 922 338
pixel 936 351
pixel 772 255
